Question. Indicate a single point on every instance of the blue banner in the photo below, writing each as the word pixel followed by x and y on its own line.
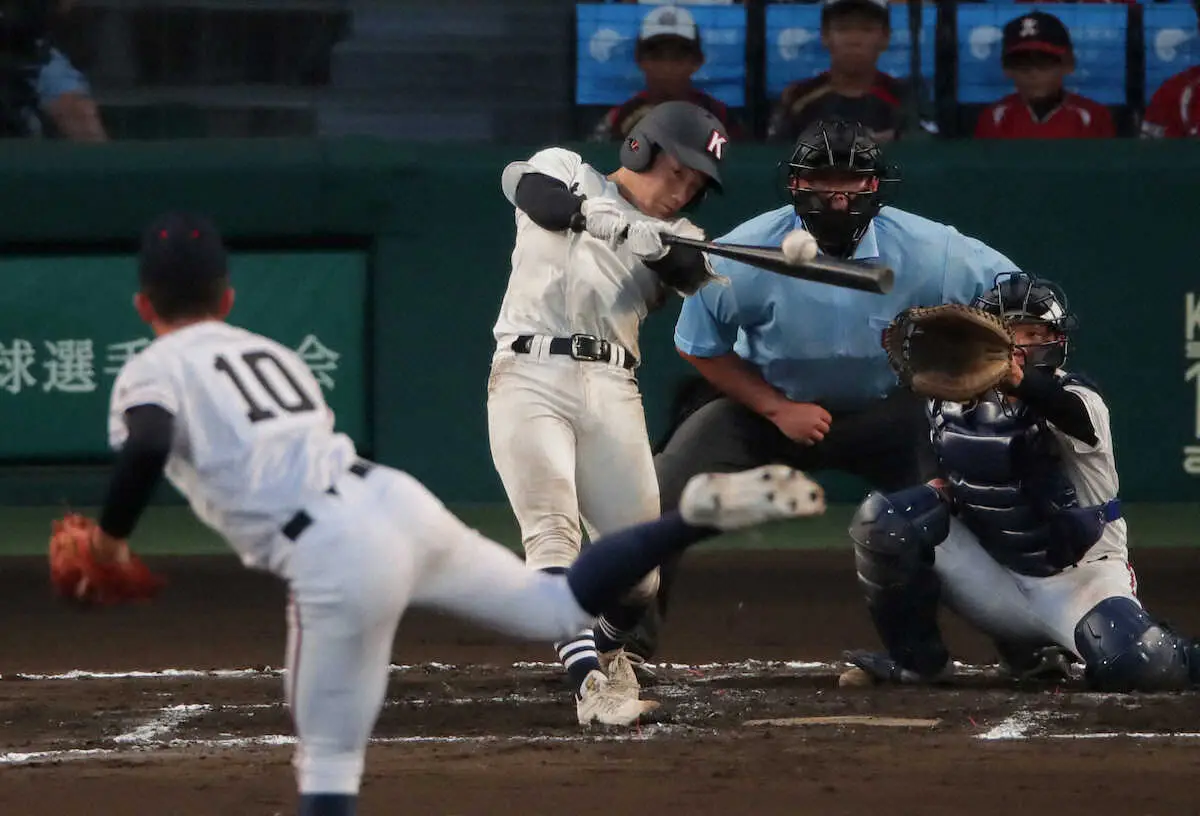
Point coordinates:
pixel 1171 43
pixel 794 50
pixel 607 74
pixel 1098 36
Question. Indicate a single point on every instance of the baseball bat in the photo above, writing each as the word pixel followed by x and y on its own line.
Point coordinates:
pixel 833 271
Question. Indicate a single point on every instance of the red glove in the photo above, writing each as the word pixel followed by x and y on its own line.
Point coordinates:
pixel 78 575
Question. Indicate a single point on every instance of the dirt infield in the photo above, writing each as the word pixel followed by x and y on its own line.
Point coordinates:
pixel 174 709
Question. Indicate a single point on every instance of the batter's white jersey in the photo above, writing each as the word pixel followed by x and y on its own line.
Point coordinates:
pixel 254 439
pixel 567 283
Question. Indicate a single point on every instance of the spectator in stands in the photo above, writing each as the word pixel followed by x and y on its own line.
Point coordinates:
pixel 856 33
pixel 1037 56
pixel 669 53
pixel 38 83
pixel 1174 110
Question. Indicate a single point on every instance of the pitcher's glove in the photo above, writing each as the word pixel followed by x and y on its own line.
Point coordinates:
pixel 950 352
pixel 78 575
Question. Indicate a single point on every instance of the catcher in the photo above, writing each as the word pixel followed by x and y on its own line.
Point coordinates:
pixel 1022 532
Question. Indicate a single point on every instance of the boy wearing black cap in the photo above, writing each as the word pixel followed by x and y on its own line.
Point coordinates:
pixel 1038 57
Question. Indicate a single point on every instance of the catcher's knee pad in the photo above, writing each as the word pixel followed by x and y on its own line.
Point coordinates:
pixel 554 547
pixel 894 538
pixel 894 535
pixel 1124 649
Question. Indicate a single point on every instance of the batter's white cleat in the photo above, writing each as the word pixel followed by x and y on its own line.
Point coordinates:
pixel 600 703
pixel 622 678
pixel 729 501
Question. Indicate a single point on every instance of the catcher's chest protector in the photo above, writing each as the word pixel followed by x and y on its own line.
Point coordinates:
pixel 1007 479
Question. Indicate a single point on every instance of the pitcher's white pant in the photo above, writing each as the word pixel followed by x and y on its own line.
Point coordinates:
pixel 1022 609
pixel 383 543
pixel 569 440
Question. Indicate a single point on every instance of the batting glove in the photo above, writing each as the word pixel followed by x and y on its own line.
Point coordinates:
pixel 645 240
pixel 603 219
pixel 686 229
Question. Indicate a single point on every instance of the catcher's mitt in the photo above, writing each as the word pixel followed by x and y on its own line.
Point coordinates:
pixel 949 352
pixel 78 576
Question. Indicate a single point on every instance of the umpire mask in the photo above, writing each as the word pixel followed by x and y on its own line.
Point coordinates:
pixel 834 177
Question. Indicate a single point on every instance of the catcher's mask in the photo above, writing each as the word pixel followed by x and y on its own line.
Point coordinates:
pixel 1017 297
pixel 835 153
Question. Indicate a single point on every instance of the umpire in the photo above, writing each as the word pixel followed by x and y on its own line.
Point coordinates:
pixel 793 371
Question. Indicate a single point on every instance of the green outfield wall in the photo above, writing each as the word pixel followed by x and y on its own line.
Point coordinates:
pixel 384 264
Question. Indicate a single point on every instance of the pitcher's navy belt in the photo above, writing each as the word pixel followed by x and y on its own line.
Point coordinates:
pixel 300 522
pixel 579 347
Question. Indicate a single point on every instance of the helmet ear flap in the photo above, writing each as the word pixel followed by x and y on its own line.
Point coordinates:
pixel 637 151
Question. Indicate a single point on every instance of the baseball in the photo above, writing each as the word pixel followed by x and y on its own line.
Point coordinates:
pixel 799 247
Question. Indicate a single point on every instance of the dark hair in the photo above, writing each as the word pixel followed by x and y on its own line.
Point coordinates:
pixel 855 8
pixel 182 266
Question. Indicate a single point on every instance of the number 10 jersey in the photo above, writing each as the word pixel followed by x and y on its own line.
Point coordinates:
pixel 254 440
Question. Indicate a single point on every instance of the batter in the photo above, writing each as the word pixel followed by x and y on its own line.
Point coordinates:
pixel 565 416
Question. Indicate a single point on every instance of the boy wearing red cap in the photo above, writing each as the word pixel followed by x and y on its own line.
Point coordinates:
pixel 1037 57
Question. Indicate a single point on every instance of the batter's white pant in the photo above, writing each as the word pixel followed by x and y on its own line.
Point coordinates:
pixel 569 440
pixel 383 543
pixel 1022 609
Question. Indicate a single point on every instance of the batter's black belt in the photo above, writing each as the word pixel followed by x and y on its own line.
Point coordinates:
pixel 578 347
pixel 300 522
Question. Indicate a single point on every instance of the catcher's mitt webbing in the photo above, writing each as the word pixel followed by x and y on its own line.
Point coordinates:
pixel 951 352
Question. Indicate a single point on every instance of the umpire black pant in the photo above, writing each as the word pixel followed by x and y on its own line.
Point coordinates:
pixel 886 443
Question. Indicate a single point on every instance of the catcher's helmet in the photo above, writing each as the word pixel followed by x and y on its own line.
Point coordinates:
pixel 843 148
pixel 694 136
pixel 1017 297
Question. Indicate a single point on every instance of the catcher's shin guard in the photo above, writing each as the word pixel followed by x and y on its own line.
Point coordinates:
pixel 894 539
pixel 1125 650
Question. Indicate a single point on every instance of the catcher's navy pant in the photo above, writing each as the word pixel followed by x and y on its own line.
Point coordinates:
pixel 377 546
pixel 887 444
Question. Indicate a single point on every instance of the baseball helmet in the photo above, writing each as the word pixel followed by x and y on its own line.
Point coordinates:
pixel 1017 297
pixel 693 136
pixel 844 148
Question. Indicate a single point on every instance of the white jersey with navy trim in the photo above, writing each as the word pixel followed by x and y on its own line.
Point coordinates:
pixel 1092 470
pixel 566 283
pixel 254 439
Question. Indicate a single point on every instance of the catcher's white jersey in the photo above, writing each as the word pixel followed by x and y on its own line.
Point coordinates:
pixel 1027 609
pixel 254 439
pixel 566 283
pixel 1092 469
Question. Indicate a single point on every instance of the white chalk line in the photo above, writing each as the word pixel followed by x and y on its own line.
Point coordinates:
pixel 272 740
pixel 1016 725
pixel 151 735
pixel 744 666
pixel 1127 735
pixel 168 720
pixel 1029 724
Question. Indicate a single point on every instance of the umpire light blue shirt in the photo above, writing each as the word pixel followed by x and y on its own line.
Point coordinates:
pixel 821 343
